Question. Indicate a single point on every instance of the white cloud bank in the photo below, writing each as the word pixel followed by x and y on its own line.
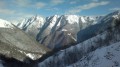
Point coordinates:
pixel 114 9
pixel 56 2
pixel 78 9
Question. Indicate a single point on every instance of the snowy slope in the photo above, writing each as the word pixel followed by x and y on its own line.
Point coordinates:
pixel 81 51
pixel 32 25
pixel 5 24
pixel 104 57
pixel 90 49
pixel 75 53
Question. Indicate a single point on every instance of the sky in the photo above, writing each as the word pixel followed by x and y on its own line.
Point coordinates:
pixel 13 10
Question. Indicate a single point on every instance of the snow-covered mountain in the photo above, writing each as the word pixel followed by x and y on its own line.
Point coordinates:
pixel 57 31
pixel 98 41
pixel 5 24
pixel 98 28
pixel 14 43
pixel 32 25
pixel 100 50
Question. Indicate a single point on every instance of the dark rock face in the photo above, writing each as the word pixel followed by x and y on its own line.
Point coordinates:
pixel 12 62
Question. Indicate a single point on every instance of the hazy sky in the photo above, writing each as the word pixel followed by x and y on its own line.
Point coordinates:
pixel 18 9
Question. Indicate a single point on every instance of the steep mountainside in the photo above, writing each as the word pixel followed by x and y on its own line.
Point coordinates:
pixel 57 31
pixel 97 28
pixel 104 57
pixel 14 43
pixel 97 51
pixel 32 25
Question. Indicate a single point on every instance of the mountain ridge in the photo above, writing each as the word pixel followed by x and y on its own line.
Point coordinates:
pixel 69 24
pixel 86 53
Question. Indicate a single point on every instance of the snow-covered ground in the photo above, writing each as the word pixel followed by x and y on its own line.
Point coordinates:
pixel 108 56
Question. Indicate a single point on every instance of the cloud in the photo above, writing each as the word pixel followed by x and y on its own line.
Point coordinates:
pixel 22 3
pixel 94 4
pixel 73 2
pixel 29 3
pixel 56 2
pixel 2 4
pixel 52 9
pixel 40 4
pixel 6 11
pixel 114 9
pixel 19 17
pixel 20 14
pixel 80 8
pixel 95 0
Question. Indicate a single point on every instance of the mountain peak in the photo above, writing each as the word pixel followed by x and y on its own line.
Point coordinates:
pixel 5 24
